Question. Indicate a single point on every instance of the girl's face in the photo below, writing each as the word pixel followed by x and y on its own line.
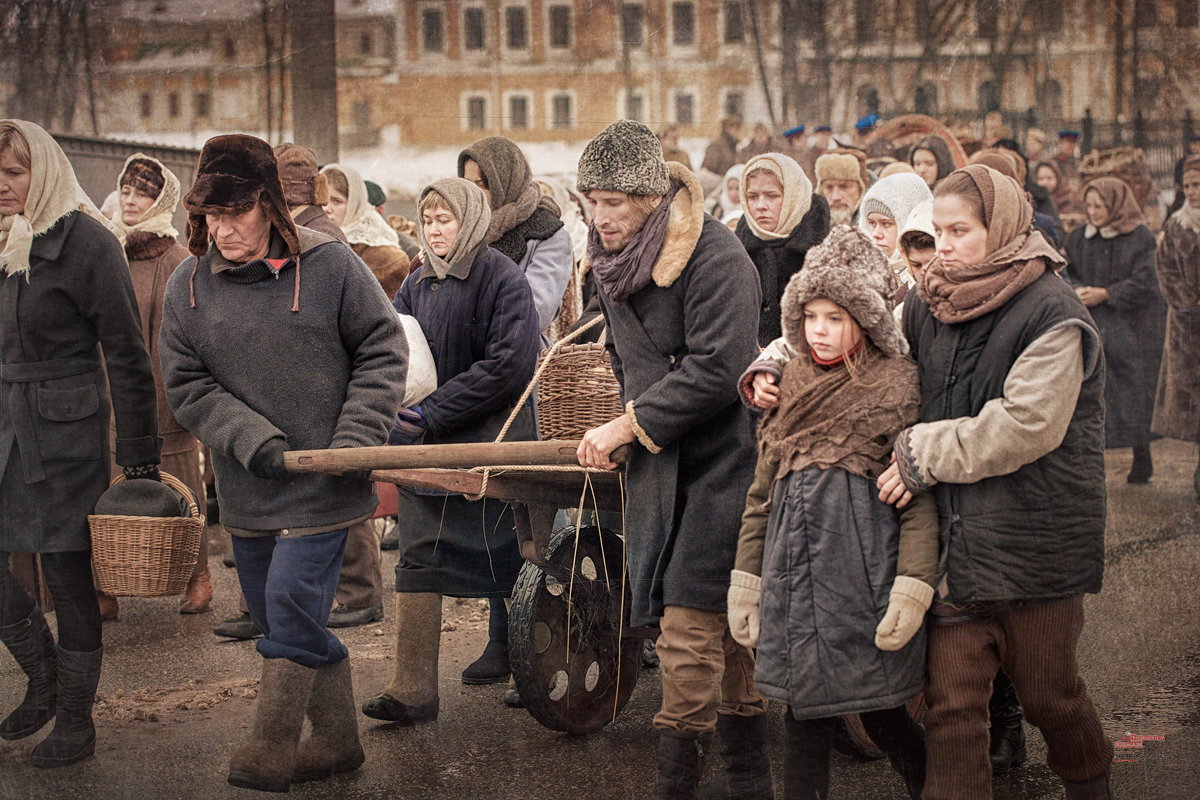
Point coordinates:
pixel 917 259
pixel 1046 179
pixel 134 204
pixel 1097 212
pixel 733 192
pixel 960 234
pixel 1191 187
pixel 925 164
pixel 14 183
pixel 883 232
pixel 764 200
pixel 440 227
pixel 335 209
pixel 829 329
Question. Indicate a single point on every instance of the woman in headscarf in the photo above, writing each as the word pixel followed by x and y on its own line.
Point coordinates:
pixel 1011 442
pixel 725 204
pixel 1112 269
pixel 149 193
pixel 1177 406
pixel 369 235
pixel 478 312
pixel 884 210
pixel 931 159
pixel 782 218
pixel 575 218
pixel 65 292
pixel 1049 176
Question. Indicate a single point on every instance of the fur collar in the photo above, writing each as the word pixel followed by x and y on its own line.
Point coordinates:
pixel 683 227
pixel 146 246
pixel 541 225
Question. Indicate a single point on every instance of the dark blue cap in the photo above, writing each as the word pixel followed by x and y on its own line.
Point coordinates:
pixel 796 131
pixel 867 122
pixel 822 129
pixel 1069 134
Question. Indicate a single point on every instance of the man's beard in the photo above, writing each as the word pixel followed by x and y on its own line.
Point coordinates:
pixel 840 216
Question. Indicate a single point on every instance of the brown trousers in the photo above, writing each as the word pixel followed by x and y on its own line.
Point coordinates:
pixel 704 672
pixel 1036 647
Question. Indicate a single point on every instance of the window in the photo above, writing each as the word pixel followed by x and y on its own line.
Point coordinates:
pixel 364 43
pixel 147 105
pixel 476 113
pixel 635 107
pixel 173 105
pixel 735 22
pixel 518 111
pixel 1049 16
pixel 560 26
pixel 734 103
pixel 925 99
pixel 230 47
pixel 1050 99
pixel 864 20
pixel 631 25
pixel 361 113
pixel 560 111
pixel 985 19
pixel 685 108
pixel 683 23
pixel 515 29
pixel 989 97
pixel 473 29
pixel 202 103
pixel 432 39
pixel 1145 14
pixel 1187 14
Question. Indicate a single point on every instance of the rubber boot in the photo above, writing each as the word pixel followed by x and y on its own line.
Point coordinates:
pixel 806 748
pixel 492 666
pixel 680 762
pixel 747 771
pixel 265 762
pixel 32 645
pixel 73 737
pixel 412 696
pixel 334 745
pixel 1097 788
pixel 1006 749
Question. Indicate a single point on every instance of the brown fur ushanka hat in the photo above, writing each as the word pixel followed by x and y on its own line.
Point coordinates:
pixel 848 269
pixel 303 183
pixel 233 174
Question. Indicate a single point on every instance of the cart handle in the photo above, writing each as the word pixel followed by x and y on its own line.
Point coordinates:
pixel 465 455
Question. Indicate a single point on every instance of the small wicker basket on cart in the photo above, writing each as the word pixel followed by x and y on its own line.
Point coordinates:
pixel 576 391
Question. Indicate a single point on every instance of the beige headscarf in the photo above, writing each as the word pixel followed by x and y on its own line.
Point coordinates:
pixel 797 193
pixel 54 192
pixel 157 219
pixel 1124 213
pixel 471 209
pixel 363 224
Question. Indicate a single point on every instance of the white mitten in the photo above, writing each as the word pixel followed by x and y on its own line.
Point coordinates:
pixel 745 590
pixel 906 609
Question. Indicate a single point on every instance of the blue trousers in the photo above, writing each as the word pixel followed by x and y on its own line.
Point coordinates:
pixel 289 583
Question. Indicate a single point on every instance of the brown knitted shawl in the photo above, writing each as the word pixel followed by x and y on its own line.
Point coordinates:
pixel 845 417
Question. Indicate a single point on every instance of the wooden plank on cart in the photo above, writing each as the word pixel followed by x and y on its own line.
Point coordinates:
pixel 440 456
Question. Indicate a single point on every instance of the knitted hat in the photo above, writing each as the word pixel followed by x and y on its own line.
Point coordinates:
pixel 233 174
pixel 894 196
pixel 848 269
pixel 843 164
pixel 376 196
pixel 303 185
pixel 625 157
pixel 144 175
pixel 920 220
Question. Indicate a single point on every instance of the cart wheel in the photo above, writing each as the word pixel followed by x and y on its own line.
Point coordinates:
pixel 577 685
pixel 853 738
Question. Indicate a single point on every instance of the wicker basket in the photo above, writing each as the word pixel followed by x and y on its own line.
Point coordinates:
pixel 576 392
pixel 1126 163
pixel 146 556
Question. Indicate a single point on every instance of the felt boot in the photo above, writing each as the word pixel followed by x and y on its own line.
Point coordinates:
pixel 32 645
pixel 73 737
pixel 1006 749
pixel 412 696
pixel 1097 788
pixel 334 745
pixel 492 666
pixel 198 595
pixel 747 771
pixel 680 762
pixel 265 762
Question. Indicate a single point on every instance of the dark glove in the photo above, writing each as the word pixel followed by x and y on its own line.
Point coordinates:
pixel 409 427
pixel 143 472
pixel 268 461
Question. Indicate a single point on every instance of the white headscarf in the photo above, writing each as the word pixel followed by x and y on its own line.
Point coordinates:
pixel 54 192
pixel 894 196
pixel 797 193
pixel 363 224
pixel 157 219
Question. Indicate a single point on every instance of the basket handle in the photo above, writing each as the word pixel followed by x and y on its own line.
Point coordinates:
pixel 177 485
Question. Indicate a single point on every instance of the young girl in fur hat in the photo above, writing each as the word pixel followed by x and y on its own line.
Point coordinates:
pixel 839 580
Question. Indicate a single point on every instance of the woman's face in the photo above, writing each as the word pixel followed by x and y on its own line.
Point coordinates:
pixel 1046 178
pixel 829 329
pixel 733 192
pixel 764 200
pixel 925 164
pixel 440 227
pixel 134 204
pixel 1191 187
pixel 335 209
pixel 474 174
pixel 14 183
pixel 960 234
pixel 1097 212
pixel 883 232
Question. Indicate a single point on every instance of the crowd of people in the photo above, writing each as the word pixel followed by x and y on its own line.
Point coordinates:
pixel 868 402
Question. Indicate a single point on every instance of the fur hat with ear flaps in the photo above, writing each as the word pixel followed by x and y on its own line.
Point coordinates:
pixel 848 269
pixel 303 184
pixel 233 174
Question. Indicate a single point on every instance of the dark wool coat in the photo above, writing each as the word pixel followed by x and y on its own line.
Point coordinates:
pixel 54 401
pixel 677 347
pixel 777 260
pixel 1177 406
pixel 240 367
pixel 829 562
pixel 1132 325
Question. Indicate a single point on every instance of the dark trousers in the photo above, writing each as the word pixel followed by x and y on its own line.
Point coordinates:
pixel 808 742
pixel 69 578
pixel 1036 647
pixel 288 583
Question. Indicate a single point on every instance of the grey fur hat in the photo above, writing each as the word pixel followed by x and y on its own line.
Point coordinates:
pixel 624 157
pixel 848 269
